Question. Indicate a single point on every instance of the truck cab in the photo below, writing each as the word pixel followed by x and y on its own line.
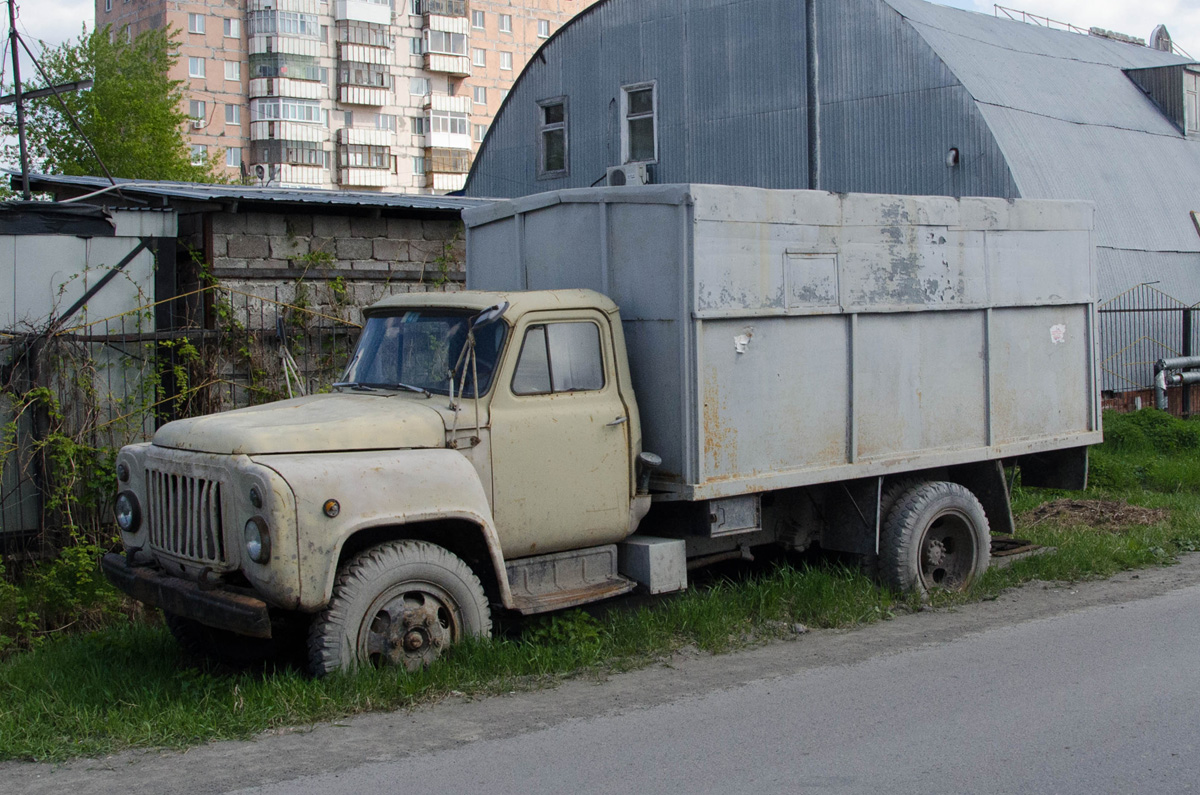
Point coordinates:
pixel 471 431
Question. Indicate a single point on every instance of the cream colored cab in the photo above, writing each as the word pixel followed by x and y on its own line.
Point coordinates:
pixel 391 514
pixel 560 437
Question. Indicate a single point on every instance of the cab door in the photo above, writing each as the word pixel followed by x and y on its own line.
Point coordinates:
pixel 560 438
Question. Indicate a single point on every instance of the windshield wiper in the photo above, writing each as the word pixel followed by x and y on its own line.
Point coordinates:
pixel 357 387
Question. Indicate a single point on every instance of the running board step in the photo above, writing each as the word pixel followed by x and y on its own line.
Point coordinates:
pixel 565 579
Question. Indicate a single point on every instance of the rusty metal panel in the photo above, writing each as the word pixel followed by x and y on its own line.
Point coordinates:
pixel 780 338
pixel 1040 357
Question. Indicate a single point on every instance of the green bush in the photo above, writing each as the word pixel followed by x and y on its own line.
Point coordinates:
pixel 68 593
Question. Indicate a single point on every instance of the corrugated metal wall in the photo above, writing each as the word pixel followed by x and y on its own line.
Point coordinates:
pixel 891 111
pixel 732 101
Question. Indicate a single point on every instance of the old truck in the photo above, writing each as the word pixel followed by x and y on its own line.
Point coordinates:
pixel 638 381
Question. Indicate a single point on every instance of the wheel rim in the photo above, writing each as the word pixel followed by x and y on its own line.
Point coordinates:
pixel 947 552
pixel 410 624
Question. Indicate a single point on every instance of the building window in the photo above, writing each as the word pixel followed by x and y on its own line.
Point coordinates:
pixel 477 20
pixel 444 121
pixel 414 8
pixel 420 126
pixel 233 28
pixel 543 29
pixel 108 5
pixel 195 67
pixel 415 46
pixel 385 121
pixel 233 70
pixel 419 165
pixel 233 157
pixel 418 86
pixel 283 23
pixel 323 73
pixel 506 61
pixel 552 138
pixel 233 114
pixel 440 41
pixel 506 23
pixel 196 110
pixel 480 132
pixel 362 156
pixel 479 57
pixel 639 138
pixel 195 23
pixel 479 95
pixel 199 154
pixel 504 95
pixel 287 109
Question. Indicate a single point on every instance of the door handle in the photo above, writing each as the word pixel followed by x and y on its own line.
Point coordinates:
pixel 617 421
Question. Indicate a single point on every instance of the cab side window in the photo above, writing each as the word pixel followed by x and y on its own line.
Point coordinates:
pixel 559 357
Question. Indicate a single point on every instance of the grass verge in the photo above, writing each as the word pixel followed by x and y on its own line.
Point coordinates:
pixel 129 686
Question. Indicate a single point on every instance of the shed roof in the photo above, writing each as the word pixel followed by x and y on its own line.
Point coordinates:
pixel 1071 124
pixel 251 194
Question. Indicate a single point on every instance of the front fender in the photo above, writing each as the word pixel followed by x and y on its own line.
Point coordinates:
pixel 377 489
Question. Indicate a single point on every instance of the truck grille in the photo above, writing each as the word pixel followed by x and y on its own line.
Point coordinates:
pixel 185 516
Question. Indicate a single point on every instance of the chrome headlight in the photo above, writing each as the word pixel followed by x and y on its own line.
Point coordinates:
pixel 128 514
pixel 258 540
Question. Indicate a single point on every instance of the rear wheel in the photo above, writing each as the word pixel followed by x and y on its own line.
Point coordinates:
pixel 402 603
pixel 935 537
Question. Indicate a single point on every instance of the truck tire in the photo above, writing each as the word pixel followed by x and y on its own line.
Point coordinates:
pixel 400 603
pixel 219 645
pixel 868 562
pixel 935 537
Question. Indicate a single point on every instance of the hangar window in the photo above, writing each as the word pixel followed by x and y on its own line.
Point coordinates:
pixel 639 136
pixel 552 138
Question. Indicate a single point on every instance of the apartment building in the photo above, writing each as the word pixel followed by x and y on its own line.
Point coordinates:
pixel 388 95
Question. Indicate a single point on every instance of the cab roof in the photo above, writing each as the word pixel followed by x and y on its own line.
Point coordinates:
pixel 519 302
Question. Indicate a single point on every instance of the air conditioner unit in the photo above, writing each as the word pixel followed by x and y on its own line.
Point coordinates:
pixel 197 124
pixel 629 174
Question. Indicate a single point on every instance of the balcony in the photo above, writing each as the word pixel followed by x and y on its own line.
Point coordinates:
pixel 457 65
pixel 444 8
pixel 284 87
pixel 364 136
pixel 447 161
pixel 362 11
pixel 373 96
pixel 287 130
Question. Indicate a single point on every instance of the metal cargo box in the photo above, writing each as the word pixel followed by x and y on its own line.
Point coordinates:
pixel 783 338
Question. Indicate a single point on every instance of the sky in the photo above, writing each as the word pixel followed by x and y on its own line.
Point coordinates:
pixel 58 20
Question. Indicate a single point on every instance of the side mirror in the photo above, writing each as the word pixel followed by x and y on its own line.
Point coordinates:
pixel 489 315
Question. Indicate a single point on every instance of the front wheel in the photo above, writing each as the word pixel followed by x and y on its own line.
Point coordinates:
pixel 400 603
pixel 935 537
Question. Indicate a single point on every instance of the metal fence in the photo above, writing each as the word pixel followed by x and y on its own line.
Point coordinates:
pixel 1137 328
pixel 71 397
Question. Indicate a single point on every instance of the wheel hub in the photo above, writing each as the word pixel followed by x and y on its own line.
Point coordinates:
pixel 935 553
pixel 410 630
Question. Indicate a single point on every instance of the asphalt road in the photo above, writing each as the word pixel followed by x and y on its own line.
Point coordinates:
pixel 1087 688
pixel 1099 701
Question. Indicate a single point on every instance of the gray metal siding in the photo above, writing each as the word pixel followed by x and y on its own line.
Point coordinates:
pixel 731 95
pixel 732 101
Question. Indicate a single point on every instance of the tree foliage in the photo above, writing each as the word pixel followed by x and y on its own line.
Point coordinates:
pixel 133 114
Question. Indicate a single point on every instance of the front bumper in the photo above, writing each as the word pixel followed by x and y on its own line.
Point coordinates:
pixel 216 607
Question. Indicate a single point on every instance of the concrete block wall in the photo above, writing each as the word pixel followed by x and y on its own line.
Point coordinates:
pixel 332 264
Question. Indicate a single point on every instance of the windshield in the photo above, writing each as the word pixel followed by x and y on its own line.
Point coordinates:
pixel 417 348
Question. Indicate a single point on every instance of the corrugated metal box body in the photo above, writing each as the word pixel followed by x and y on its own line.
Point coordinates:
pixel 782 338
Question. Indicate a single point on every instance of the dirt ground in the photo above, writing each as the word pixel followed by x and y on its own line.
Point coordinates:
pixel 283 756
pixel 1110 515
